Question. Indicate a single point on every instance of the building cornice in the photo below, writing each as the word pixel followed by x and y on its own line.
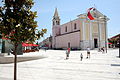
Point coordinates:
pixel 68 33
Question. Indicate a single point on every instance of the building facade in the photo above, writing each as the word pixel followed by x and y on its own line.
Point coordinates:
pixel 46 42
pixel 81 32
pixel 114 42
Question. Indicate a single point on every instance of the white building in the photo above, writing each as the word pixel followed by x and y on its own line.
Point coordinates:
pixel 81 32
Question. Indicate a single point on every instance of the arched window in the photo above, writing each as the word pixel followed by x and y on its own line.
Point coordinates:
pixel 66 29
pixel 58 23
pixel 75 26
pixel 53 23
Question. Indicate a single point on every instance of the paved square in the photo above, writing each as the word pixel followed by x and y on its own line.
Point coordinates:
pixel 101 66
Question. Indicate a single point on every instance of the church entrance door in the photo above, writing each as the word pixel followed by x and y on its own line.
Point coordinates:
pixel 69 45
pixel 95 43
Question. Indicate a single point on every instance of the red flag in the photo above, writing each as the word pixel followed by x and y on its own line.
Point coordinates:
pixel 89 14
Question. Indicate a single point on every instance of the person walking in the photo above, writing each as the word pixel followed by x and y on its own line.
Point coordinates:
pixel 67 53
pixel 81 56
pixel 88 52
pixel 102 49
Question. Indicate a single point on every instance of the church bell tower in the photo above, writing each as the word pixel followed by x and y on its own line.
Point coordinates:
pixel 56 19
pixel 55 28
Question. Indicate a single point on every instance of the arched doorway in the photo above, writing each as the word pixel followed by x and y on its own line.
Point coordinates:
pixel 68 44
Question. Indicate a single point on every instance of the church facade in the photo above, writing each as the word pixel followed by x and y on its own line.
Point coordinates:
pixel 81 32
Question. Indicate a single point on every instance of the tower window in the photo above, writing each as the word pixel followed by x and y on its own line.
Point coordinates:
pixel 75 26
pixel 66 29
pixel 58 23
pixel 53 23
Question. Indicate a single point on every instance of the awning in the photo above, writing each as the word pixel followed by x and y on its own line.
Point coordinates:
pixel 35 45
pixel 26 44
pixel 109 43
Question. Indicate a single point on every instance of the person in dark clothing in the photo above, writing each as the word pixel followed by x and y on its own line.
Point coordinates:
pixel 88 52
pixel 103 49
pixel 81 56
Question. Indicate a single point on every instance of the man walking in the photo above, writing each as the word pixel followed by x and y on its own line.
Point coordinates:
pixel 81 56
pixel 88 52
pixel 67 53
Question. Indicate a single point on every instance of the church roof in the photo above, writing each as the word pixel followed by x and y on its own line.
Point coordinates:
pixel 96 14
pixel 56 13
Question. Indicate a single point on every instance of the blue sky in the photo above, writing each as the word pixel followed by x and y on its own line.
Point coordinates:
pixel 69 9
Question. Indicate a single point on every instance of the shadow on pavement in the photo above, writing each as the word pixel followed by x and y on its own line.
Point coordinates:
pixel 8 60
pixel 117 56
pixel 115 64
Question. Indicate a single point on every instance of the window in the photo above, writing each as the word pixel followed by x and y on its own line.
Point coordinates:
pixel 53 23
pixel 58 23
pixel 75 26
pixel 66 29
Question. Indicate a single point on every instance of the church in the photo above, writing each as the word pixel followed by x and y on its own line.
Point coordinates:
pixel 81 32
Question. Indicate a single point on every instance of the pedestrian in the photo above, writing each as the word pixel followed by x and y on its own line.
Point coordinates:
pixel 67 53
pixel 99 50
pixel 11 51
pixel 81 56
pixel 103 49
pixel 88 52
pixel 69 50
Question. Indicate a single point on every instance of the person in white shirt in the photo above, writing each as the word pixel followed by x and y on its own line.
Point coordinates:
pixel 88 52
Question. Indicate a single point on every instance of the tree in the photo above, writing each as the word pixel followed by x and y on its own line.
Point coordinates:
pixel 18 25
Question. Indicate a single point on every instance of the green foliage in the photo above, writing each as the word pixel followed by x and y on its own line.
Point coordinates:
pixel 17 21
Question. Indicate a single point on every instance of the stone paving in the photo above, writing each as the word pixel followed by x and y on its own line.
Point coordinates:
pixel 101 66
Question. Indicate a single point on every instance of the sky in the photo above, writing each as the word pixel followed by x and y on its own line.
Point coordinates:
pixel 69 9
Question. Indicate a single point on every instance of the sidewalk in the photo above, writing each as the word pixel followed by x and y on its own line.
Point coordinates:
pixel 55 67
